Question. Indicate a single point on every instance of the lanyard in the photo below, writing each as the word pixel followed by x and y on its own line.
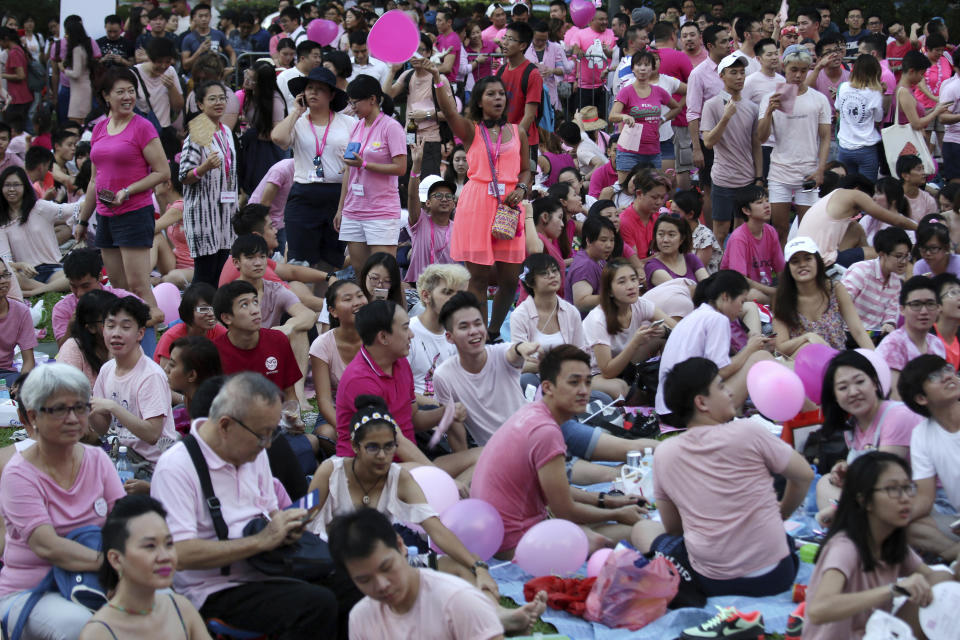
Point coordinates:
pixel 320 145
pixel 492 156
pixel 225 149
pixel 363 126
pixel 433 254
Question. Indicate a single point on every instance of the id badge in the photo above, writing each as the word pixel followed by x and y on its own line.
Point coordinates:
pixel 357 189
pixel 491 190
pixel 228 197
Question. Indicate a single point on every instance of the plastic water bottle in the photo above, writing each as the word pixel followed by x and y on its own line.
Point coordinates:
pixel 646 473
pixel 4 391
pixel 810 504
pixel 123 466
pixel 417 559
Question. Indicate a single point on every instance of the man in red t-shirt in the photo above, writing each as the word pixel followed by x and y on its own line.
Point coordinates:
pixel 15 73
pixel 521 107
pixel 900 45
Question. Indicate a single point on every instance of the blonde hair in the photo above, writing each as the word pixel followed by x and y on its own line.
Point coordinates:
pixel 866 73
pixel 453 275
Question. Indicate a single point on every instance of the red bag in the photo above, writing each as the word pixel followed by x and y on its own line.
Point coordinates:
pixel 630 591
pixel 564 594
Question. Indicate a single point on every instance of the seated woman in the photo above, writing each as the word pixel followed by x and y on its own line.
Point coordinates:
pixel 193 360
pixel 41 494
pixel 672 254
pixel 380 279
pixel 809 307
pixel 170 253
pixel 853 404
pixel 139 558
pixel 607 209
pixel 571 200
pixel 753 249
pixel 544 232
pixel 623 192
pixel 582 283
pixel 865 561
pixel 333 350
pixel 374 480
pixel 888 193
pixel 688 205
pixel 933 248
pixel 16 330
pixel 619 332
pixel 27 234
pixel 85 349
pixel 196 312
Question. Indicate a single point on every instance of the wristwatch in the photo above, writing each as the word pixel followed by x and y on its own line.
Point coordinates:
pixel 521 185
pixel 479 564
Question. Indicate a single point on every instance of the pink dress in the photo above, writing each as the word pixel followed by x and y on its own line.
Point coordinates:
pixel 471 240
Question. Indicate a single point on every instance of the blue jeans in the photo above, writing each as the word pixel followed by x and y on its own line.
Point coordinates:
pixel 627 160
pixel 865 161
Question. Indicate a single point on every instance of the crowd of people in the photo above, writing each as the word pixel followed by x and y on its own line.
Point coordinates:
pixel 444 260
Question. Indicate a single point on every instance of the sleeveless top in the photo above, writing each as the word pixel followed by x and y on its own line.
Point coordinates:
pixel 558 162
pixel 175 607
pixel 339 501
pixel 831 326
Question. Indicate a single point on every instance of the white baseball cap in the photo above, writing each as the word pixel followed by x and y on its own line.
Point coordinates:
pixel 425 184
pixel 798 245
pixel 736 57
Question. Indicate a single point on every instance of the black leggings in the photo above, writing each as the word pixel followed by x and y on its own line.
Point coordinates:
pixel 207 268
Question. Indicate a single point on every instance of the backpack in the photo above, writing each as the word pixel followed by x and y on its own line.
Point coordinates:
pixel 545 117
pixel 36 75
pixel 446 133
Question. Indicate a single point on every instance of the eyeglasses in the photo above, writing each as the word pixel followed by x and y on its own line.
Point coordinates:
pixel 60 411
pixel 931 249
pixel 6 275
pixel 387 448
pixel 952 293
pixel 203 310
pixel 377 281
pixel 917 305
pixel 828 52
pixel 216 99
pixel 944 373
pixel 897 491
pixel 508 39
pixel 13 185
pixel 443 196
pixel 900 257
pixel 262 441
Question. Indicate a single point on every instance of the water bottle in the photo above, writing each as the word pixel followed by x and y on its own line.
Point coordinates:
pixel 417 559
pixel 646 474
pixel 764 278
pixel 4 391
pixel 810 504
pixel 123 466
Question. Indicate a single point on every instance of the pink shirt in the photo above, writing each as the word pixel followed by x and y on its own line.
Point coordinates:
pixel 35 242
pixel 120 162
pixel 492 34
pixel 759 259
pixel 71 354
pixel 635 232
pixel 178 331
pixel 524 322
pixel 591 69
pixel 371 195
pixel 595 329
pixel 921 205
pixel 18 89
pixel 828 87
pixel 325 348
pixel 705 333
pixel 506 475
pixel 935 76
pixel 274 302
pixel 144 392
pixel 430 244
pixel 245 492
pixel 446 608
pixel 895 430
pixel 876 298
pixel 498 379
pixel 61 52
pixel 63 311
pixel 898 349
pixel 447 44
pixel 602 177
pixel 31 498
pixel 733 165
pixel 704 83
pixel 949 90
pixel 646 111
pixel 719 479
pixel 10 159
pixel 16 328
pixel 280 175
pixel 823 229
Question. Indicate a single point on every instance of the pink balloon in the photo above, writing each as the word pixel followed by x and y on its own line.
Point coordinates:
pixel 581 12
pixel 775 390
pixel 477 524
pixel 552 547
pixel 439 488
pixel 322 32
pixel 394 37
pixel 881 366
pixel 810 364
pixel 168 299
pixel 596 562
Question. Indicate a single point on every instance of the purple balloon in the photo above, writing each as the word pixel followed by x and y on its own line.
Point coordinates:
pixel 477 524
pixel 552 547
pixel 581 12
pixel 322 32
pixel 810 364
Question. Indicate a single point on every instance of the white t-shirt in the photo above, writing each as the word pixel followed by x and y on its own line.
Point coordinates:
pixel 376 68
pixel 858 110
pixel 934 452
pixel 307 136
pixel 283 78
pixel 755 87
pixel 427 351
pixel 587 150
pixel 595 329
pixel 670 85
pixel 950 90
pixel 159 94
pixel 797 155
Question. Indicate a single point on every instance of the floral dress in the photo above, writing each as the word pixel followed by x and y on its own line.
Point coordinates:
pixel 831 325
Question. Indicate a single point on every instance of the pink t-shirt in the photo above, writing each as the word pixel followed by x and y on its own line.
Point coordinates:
pixel 35 242
pixel 274 302
pixel 898 349
pixel 840 554
pixel 506 475
pixel 646 111
pixel 446 608
pixel 498 379
pixel 229 273
pixel 244 491
pixel 949 91
pixel 895 430
pixel 492 34
pixel 921 205
pixel 16 328
pixel 719 478
pixel 63 311
pixel 447 44
pixel 705 333
pixel 733 165
pixel 71 354
pixel 144 392
pixel 120 162
pixel 32 498
pixel 371 195
pixel 325 348
pixel 828 87
pixel 178 238
pixel 759 259
pixel 280 175
pixel 430 244
pixel 595 329
pixel 178 331
pixel 591 69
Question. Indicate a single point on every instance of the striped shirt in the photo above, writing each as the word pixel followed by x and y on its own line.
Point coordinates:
pixel 206 220
pixel 877 300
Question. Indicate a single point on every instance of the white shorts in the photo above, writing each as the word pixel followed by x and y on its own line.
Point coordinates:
pixel 371 232
pixel 780 193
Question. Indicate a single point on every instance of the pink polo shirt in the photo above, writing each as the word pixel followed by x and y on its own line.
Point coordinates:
pixel 362 377
pixel 245 492
pixel 372 195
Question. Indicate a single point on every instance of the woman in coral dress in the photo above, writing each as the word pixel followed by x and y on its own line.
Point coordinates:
pixel 488 139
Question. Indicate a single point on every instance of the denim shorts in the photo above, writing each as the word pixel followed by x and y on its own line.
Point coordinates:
pixel 627 160
pixel 581 439
pixel 46 271
pixel 667 152
pixel 950 167
pixel 132 229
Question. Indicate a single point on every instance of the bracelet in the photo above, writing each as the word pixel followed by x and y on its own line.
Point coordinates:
pixel 363 165
pixel 516 347
pixel 601 500
pixel 84 223
pixel 195 174
pixel 438 85
pixel 414 175
pixel 327 277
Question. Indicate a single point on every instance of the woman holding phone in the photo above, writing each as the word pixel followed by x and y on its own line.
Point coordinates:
pixel 380 279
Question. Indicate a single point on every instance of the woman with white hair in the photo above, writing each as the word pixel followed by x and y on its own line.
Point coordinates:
pixel 49 490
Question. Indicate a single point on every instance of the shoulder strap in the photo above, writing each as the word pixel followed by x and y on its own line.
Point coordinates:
pixel 146 92
pixel 206 485
pixel 176 607
pixel 109 630
pixel 525 81
pixel 33 597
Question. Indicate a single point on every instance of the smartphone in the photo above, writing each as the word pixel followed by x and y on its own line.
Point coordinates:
pixel 106 196
pixel 351 151
pixel 656 323
pixel 380 294
pixel 312 513
pixel 809 185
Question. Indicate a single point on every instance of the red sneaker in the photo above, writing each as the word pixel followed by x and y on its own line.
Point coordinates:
pixel 795 623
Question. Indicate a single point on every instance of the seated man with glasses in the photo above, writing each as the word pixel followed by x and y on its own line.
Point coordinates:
pixel 930 387
pixel 131 397
pixel 919 304
pixel 212 572
pixel 874 285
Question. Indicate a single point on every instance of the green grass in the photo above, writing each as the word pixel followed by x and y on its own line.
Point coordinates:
pixel 539 627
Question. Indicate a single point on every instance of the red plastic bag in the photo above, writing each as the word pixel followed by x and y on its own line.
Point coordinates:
pixel 564 594
pixel 630 591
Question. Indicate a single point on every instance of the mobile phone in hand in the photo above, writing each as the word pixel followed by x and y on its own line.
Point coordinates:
pixel 351 151
pixel 656 323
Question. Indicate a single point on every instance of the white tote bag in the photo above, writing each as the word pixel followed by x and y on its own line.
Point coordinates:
pixel 903 139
